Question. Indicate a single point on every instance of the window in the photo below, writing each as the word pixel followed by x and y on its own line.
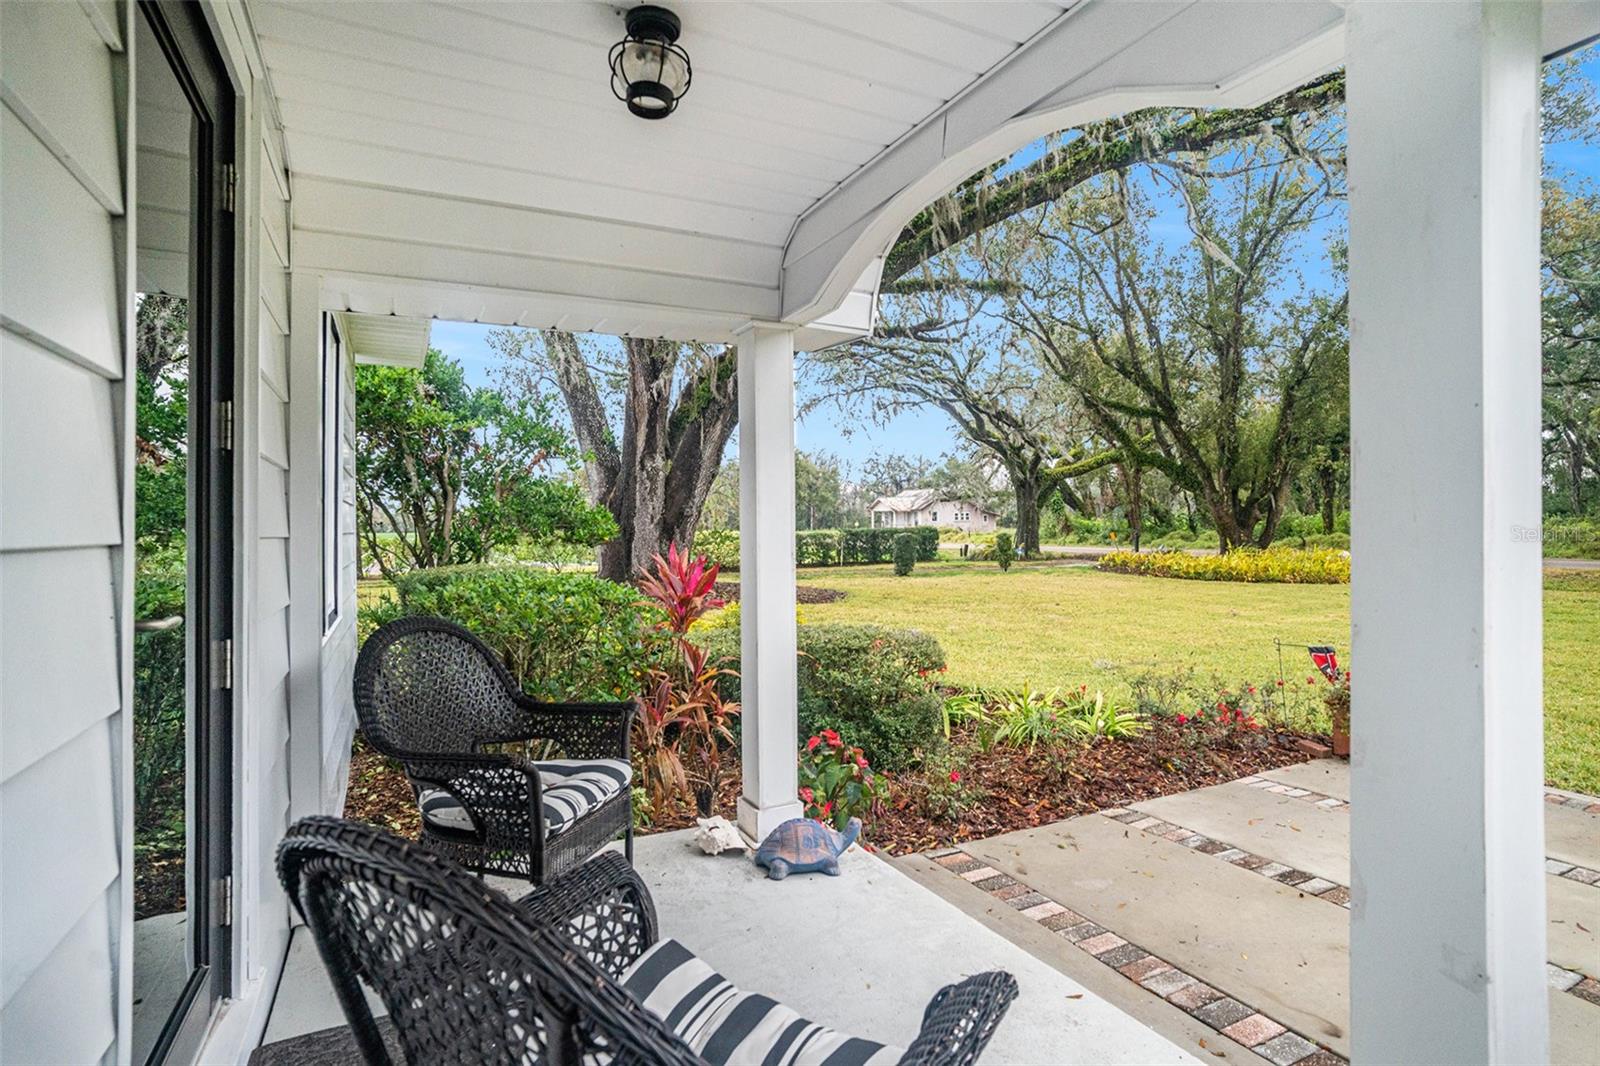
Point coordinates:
pixel 332 468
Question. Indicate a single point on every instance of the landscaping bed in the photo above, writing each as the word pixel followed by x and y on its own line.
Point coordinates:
pixel 1019 789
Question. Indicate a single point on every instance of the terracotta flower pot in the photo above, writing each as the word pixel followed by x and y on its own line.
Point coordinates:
pixel 1341 735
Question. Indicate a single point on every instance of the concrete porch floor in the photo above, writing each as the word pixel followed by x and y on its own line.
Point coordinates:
pixel 863 952
pixel 1231 901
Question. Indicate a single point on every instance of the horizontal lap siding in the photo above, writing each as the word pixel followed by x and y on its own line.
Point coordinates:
pixel 62 725
pixel 275 585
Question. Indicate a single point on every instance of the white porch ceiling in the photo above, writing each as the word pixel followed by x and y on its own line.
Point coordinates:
pixel 385 340
pixel 467 160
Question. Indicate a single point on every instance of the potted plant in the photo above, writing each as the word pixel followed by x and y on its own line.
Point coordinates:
pixel 1338 703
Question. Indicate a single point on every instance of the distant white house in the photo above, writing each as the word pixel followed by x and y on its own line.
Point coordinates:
pixel 923 507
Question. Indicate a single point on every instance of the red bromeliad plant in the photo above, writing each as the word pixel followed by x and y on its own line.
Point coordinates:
pixel 682 588
pixel 693 734
pixel 836 783
pixel 661 718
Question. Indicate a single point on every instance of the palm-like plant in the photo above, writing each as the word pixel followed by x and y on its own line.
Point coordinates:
pixel 681 587
pixel 685 724
pixel 661 718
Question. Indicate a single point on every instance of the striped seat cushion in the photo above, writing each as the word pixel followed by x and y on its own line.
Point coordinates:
pixel 570 787
pixel 726 1026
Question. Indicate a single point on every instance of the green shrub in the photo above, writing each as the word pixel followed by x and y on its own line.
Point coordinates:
pixel 720 546
pixel 1571 538
pixel 1306 566
pixel 905 554
pixel 160 705
pixel 563 636
pixel 863 546
pixel 817 547
pixel 869 683
pixel 1003 550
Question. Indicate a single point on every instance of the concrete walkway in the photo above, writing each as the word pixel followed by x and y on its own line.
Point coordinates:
pixel 1221 915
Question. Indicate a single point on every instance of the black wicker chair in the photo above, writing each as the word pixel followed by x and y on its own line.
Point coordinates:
pixel 432 696
pixel 469 977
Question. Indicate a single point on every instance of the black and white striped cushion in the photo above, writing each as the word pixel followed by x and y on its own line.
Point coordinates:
pixel 571 788
pixel 728 1027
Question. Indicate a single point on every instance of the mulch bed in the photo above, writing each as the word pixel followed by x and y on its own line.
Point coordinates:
pixel 1025 790
pixel 379 793
pixel 1021 790
pixel 729 590
pixel 158 883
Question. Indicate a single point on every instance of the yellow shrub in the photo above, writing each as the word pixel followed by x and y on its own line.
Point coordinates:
pixel 1302 566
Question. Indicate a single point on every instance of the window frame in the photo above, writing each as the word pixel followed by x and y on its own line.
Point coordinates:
pixel 332 427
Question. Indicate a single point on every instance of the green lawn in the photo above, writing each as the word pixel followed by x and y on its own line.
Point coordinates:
pixel 1053 624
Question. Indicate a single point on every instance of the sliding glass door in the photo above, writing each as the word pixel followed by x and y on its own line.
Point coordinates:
pixel 183 595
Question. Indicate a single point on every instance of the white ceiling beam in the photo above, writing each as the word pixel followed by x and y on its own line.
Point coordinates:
pixel 1097 60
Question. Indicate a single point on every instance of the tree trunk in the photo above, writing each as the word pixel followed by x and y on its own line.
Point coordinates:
pixel 1328 476
pixel 1575 467
pixel 654 482
pixel 1026 490
pixel 1133 477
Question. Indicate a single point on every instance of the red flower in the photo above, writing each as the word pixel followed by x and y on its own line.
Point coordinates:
pixel 1251 689
pixel 1280 682
pixel 861 761
pixel 806 794
pixel 1311 681
pixel 811 745
pixel 1183 719
pixel 827 808
pixel 955 775
pixel 832 738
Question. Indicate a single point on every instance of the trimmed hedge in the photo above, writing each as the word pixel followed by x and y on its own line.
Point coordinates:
pixel 1305 566
pixel 817 547
pixel 563 636
pixel 870 683
pixel 905 554
pixel 865 546
pixel 824 547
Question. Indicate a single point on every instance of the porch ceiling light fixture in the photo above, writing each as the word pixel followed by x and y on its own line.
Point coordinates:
pixel 649 70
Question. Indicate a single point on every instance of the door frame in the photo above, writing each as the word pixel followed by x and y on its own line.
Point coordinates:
pixel 192 54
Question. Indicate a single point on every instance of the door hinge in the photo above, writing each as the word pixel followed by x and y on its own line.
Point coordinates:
pixel 222 662
pixel 225 900
pixel 230 184
pixel 225 425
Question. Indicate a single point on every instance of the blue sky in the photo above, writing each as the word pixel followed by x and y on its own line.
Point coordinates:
pixel 930 433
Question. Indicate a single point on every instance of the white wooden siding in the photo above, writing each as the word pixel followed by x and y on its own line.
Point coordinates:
pixel 63 486
pixel 275 585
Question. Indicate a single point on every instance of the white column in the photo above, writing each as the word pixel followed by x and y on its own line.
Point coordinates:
pixel 766 578
pixel 1448 927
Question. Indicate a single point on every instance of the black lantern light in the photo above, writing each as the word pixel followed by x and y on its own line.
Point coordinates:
pixel 649 70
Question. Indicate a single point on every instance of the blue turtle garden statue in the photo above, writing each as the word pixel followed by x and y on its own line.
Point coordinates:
pixel 801 845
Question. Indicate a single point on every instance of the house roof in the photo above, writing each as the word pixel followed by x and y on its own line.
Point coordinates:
pixel 909 500
pixel 905 501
